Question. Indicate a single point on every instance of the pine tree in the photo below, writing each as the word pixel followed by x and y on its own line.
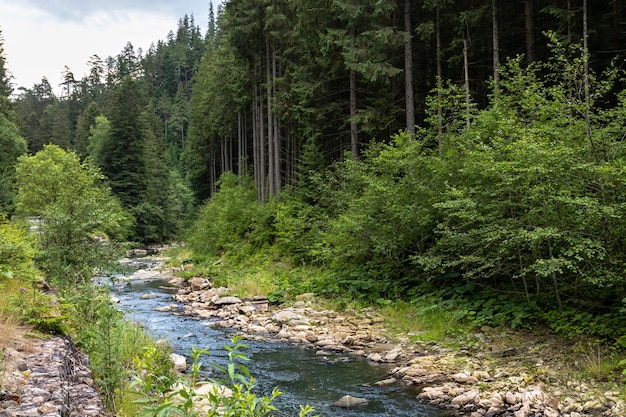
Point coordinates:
pixel 123 159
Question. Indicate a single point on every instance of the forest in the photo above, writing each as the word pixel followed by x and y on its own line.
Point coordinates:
pixel 468 151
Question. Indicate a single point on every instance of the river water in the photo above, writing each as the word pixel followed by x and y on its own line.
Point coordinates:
pixel 302 376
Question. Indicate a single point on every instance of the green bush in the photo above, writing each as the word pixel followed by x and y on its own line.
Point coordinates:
pixel 226 219
pixel 17 250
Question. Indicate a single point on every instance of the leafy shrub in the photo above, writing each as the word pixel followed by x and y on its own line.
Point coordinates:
pixel 17 250
pixel 227 218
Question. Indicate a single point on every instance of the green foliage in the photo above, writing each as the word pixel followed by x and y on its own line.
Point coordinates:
pixel 111 341
pixel 73 212
pixel 17 251
pixel 230 217
pixel 41 310
pixel 516 213
pixel 12 145
pixel 99 137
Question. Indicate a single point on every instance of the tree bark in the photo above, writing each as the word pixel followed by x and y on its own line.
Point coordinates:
pixel 496 45
pixel 354 134
pixel 408 71
pixel 270 121
pixel 529 30
pixel 276 139
pixel 439 78
pixel 467 81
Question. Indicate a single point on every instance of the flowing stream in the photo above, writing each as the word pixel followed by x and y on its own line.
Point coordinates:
pixel 302 376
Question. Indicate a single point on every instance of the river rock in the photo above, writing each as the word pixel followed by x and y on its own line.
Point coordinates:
pixel 348 401
pixel 385 382
pixel 285 316
pixel 465 398
pixel 167 309
pixel 511 398
pixel 227 300
pixel 463 378
pixel 149 296
pixel 180 362
pixel 197 284
pixel 593 407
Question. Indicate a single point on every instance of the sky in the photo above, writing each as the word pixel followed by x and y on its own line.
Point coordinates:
pixel 42 37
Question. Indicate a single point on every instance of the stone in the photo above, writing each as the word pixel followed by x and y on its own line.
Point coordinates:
pixel 481 375
pixel 463 378
pixel 593 407
pixel 246 309
pixel 431 394
pixel 348 401
pixel 209 388
pixel 53 363
pixel 375 357
pixel 510 398
pixel 227 300
pixel 257 329
pixel 385 382
pixel 197 284
pixel 149 296
pixel 180 362
pixel 493 412
pixel 285 316
pixel 465 398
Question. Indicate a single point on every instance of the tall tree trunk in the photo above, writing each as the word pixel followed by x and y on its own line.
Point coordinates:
pixel 354 134
pixel 496 46
pixel 270 119
pixel 213 169
pixel 276 138
pixel 467 81
pixel 262 159
pixel 569 21
pixel 255 142
pixel 439 78
pixel 240 146
pixel 586 82
pixel 529 30
pixel 408 71
pixel 616 24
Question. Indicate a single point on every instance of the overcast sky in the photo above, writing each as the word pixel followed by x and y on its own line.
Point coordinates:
pixel 41 37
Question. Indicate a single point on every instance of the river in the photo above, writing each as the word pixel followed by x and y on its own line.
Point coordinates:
pixel 302 376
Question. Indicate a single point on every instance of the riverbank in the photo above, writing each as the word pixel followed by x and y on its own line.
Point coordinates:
pixel 500 374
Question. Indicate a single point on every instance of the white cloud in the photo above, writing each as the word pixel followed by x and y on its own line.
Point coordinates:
pixel 38 43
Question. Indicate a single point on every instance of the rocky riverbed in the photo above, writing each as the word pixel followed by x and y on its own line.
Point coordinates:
pixel 487 380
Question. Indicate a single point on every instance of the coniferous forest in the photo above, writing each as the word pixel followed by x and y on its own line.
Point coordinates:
pixel 461 150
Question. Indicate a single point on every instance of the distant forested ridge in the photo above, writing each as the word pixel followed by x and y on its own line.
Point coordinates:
pixel 454 144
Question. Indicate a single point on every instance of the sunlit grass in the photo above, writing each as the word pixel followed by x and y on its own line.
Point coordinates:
pixel 406 319
pixel 9 321
pixel 250 285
